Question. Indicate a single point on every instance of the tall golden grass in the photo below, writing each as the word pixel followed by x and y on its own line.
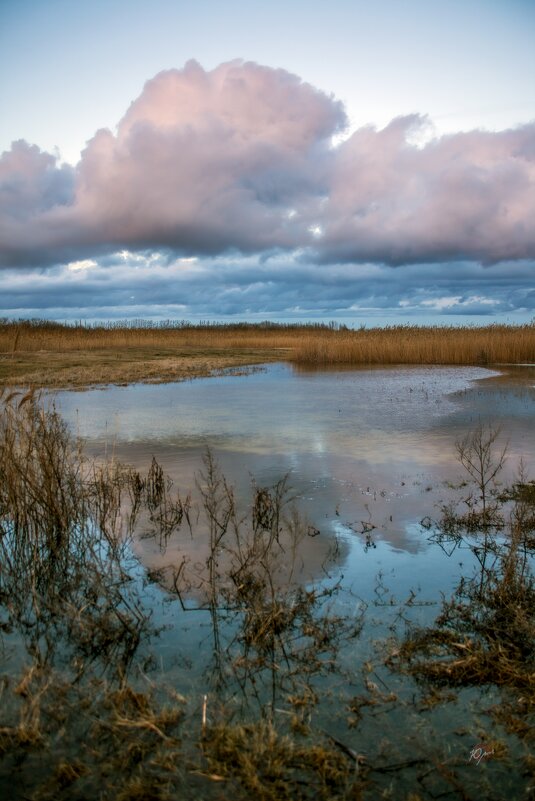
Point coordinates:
pixel 313 344
pixel 491 344
pixel 35 335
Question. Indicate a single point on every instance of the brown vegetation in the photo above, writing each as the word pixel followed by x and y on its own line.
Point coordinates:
pixel 79 716
pixel 41 335
pixel 41 353
pixel 485 634
pixel 491 344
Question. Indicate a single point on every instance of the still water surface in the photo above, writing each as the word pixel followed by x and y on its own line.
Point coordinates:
pixel 366 450
pixel 362 448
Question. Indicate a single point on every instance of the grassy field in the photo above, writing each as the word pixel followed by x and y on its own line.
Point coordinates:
pixel 39 353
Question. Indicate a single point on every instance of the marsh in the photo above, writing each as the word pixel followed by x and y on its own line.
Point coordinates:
pixel 307 506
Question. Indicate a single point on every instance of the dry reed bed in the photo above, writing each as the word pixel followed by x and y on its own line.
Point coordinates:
pixel 417 345
pixel 30 336
pixel 306 344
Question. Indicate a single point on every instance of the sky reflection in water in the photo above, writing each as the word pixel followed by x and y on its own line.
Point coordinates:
pixel 362 447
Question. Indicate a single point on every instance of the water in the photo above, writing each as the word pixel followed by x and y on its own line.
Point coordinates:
pixel 367 447
pixel 370 454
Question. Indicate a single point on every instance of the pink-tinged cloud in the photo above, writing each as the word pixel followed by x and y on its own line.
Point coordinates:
pixel 463 196
pixel 240 157
pixel 205 161
pixel 202 162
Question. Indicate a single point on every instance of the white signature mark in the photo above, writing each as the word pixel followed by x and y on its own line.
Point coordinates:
pixel 480 752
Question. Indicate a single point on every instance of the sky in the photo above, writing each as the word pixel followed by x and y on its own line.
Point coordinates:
pixel 369 163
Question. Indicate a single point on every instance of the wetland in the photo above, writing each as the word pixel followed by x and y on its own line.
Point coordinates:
pixel 287 583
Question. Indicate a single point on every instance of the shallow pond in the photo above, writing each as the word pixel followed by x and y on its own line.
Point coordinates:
pixel 370 457
pixel 365 450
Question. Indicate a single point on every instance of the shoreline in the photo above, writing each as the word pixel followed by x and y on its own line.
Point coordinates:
pixel 39 354
pixel 90 370
pixel 93 370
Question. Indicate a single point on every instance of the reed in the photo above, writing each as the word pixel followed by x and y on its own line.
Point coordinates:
pixel 63 544
pixel 310 344
pixel 28 336
pixel 491 344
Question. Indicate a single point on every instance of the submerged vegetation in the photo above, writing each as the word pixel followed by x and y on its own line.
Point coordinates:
pixel 485 633
pixel 80 354
pixel 290 704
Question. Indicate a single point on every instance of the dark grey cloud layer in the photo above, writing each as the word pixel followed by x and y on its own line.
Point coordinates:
pixel 240 159
pixel 280 287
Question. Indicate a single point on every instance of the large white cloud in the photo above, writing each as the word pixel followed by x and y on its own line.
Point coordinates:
pixel 241 158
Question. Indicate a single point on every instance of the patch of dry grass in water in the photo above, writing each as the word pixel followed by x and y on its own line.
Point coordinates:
pixel 119 744
pixel 275 767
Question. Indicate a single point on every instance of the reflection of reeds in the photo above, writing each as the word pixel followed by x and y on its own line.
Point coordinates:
pixel 279 638
pixel 485 634
pixel 62 577
pixel 306 344
pixel 66 587
pixel 76 722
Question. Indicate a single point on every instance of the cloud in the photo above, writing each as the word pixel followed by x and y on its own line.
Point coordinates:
pixel 32 187
pixel 240 159
pixel 83 264
pixel 280 287
pixel 462 196
pixel 202 162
